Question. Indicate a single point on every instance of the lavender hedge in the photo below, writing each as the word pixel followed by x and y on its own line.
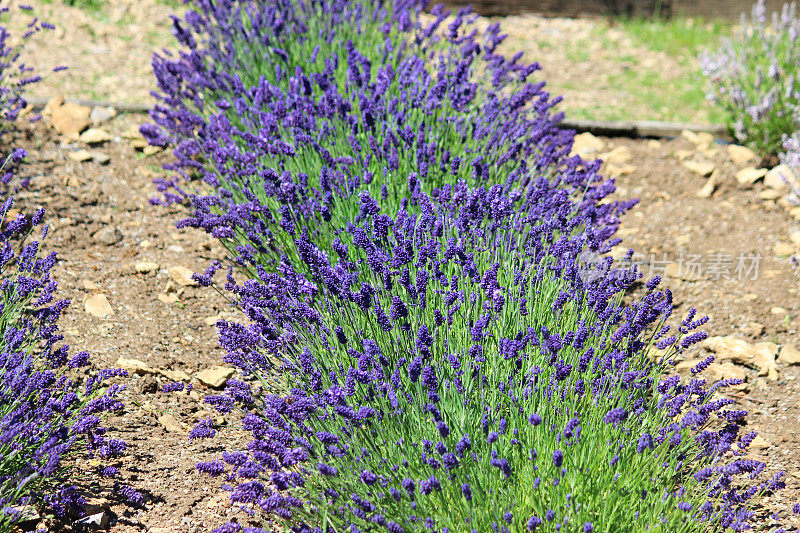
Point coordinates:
pixel 426 348
pixel 50 403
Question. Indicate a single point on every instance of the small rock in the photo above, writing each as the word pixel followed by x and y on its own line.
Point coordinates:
pixel 710 186
pixel 146 244
pixel 168 298
pixel 135 366
pixel 795 237
pixel 750 175
pixel 132 133
pixel 94 521
pixel 754 329
pixel 759 443
pixel 170 423
pixel 683 155
pixel 99 157
pixel 750 296
pixel 795 212
pixel 95 136
pixel 97 305
pixel 789 355
pixel 783 249
pixel 139 144
pixel 740 155
pixel 701 168
pixel 690 136
pixel 779 177
pixel 587 145
pixel 215 376
pixel 760 356
pixel 175 375
pixel 618 156
pixel 769 194
pixel 108 236
pixel 704 140
pixel 80 155
pixel 779 311
pixel 151 150
pixel 654 144
pixel 181 275
pixel 99 114
pixel 70 118
pixel 145 267
pixel 211 320
pixel 90 285
pixel 620 170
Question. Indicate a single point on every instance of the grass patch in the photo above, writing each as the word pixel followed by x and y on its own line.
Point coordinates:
pixel 680 37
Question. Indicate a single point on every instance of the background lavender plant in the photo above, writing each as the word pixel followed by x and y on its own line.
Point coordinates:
pixel 755 78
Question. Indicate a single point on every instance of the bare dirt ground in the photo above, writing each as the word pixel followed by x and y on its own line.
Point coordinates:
pixel 168 327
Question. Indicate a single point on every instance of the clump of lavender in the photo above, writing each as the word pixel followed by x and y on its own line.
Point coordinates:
pixel 755 78
pixel 47 410
pixel 431 356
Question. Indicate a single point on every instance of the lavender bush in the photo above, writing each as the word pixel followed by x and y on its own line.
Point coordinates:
pixel 48 410
pixel 755 78
pixel 425 349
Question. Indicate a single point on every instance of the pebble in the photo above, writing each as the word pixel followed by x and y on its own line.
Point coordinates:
pixel 80 156
pixel 95 136
pixel 135 366
pixel 760 355
pixel 170 423
pixel 215 376
pixel 783 249
pixel 710 186
pixel 145 267
pixel 181 275
pixel 701 168
pixel 759 443
pixel 776 178
pixel 95 521
pixel 587 145
pixel 618 156
pixel 789 355
pixel 769 194
pixel 90 285
pixel 755 329
pixel 97 305
pixel 108 236
pixel 750 175
pixel 151 150
pixel 795 237
pixel 740 155
pixel 132 133
pixel 780 311
pixel 99 157
pixel 70 118
pixel 99 114
pixel 168 298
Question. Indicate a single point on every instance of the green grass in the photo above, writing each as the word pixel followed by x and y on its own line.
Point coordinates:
pixel 679 37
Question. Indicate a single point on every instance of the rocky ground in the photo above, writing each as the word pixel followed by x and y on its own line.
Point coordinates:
pixel 719 229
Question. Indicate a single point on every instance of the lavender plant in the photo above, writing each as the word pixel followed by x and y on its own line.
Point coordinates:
pixel 755 78
pixel 430 353
pixel 47 410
